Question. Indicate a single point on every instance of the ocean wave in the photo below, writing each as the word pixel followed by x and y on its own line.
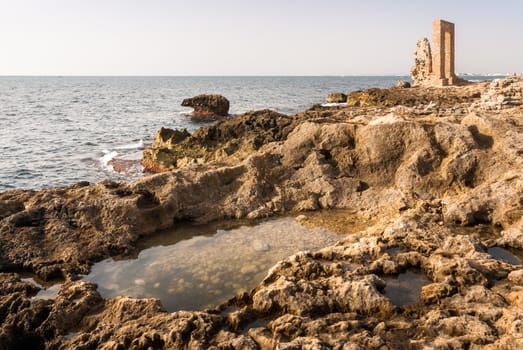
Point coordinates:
pixel 136 155
pixel 137 145
pixel 106 158
pixel 334 104
pixel 186 110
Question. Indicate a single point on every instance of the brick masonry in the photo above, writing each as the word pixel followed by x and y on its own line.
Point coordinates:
pixel 443 53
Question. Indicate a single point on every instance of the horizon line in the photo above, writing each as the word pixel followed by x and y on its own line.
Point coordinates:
pixel 229 75
pixel 204 75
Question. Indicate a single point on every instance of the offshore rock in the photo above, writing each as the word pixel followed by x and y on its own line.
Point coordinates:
pixel 336 97
pixel 207 107
pixel 421 172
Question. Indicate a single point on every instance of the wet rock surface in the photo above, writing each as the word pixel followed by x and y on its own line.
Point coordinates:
pixel 415 167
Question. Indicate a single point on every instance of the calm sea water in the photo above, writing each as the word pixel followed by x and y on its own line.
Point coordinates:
pixel 61 130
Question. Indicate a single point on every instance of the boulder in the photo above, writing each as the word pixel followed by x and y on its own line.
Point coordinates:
pixel 337 97
pixel 402 84
pixel 207 106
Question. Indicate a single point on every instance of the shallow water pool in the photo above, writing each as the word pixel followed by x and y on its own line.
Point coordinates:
pixel 512 256
pixel 194 268
pixel 405 288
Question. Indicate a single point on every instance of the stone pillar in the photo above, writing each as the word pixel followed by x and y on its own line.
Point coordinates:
pixel 443 53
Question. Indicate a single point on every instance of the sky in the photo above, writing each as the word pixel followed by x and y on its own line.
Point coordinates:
pixel 250 37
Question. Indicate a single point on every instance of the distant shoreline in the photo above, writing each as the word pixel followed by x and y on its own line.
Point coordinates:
pixel 204 76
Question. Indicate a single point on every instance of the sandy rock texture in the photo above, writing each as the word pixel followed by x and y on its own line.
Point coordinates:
pixel 421 163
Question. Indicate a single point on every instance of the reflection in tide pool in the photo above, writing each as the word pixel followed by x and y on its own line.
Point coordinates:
pixel 405 288
pixel 505 255
pixel 203 271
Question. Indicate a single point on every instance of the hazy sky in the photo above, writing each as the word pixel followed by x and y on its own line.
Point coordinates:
pixel 250 37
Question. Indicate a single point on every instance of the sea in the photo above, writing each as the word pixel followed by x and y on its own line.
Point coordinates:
pixel 58 131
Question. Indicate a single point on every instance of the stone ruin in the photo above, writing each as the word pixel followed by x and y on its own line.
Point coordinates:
pixel 436 67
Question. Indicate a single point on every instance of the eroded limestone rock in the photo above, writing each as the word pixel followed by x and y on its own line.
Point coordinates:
pixel 502 93
pixel 172 149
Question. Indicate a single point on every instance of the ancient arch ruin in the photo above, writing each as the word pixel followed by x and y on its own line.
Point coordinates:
pixel 436 67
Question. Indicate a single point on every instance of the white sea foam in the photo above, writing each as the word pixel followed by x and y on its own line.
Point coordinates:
pixel 334 104
pixel 483 74
pixel 137 145
pixel 106 158
pixel 136 155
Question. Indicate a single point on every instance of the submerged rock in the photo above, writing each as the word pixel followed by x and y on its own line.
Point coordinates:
pixel 207 107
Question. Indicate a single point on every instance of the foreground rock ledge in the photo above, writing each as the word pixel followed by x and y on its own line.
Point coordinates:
pixel 417 169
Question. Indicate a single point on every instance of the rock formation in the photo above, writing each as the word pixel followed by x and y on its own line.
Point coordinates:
pixel 207 107
pixel 422 69
pixel 432 168
pixel 402 84
pixel 336 97
pixel 241 135
pixel 502 93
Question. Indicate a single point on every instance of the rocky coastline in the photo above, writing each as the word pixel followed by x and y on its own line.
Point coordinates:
pixel 423 167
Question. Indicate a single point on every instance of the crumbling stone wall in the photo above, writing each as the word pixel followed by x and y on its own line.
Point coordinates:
pixel 422 69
